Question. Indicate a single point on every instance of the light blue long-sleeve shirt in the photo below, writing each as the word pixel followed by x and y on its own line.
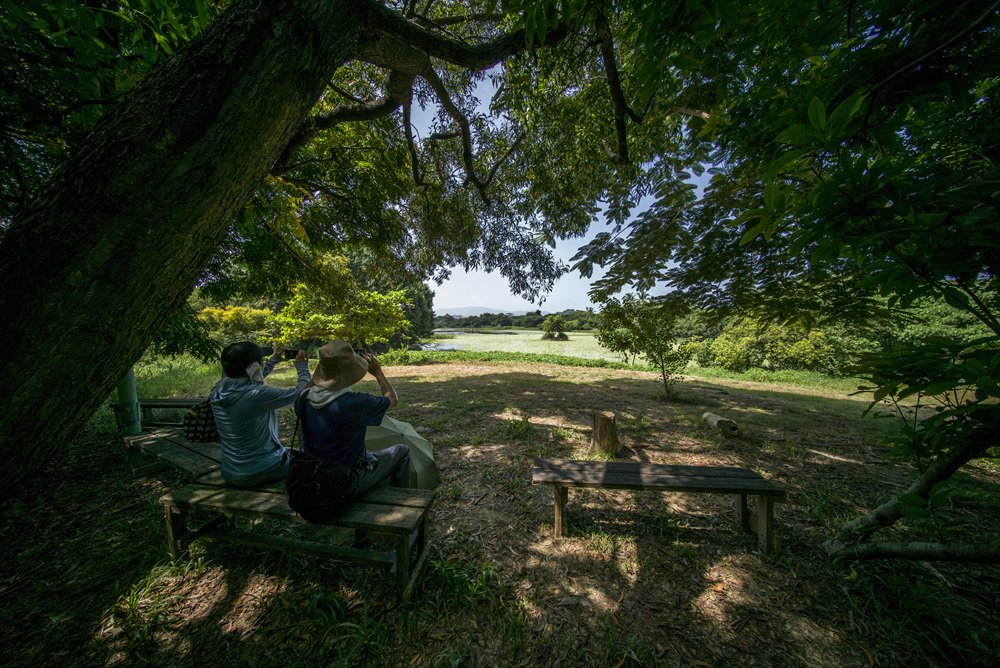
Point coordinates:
pixel 247 424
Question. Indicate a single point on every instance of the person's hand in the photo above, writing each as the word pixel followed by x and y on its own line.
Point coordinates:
pixel 302 357
pixel 279 349
pixel 374 368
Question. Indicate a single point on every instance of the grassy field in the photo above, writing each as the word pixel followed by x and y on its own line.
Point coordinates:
pixel 644 578
pixel 584 346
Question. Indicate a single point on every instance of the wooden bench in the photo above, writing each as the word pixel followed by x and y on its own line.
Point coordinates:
pixel 147 406
pixel 563 474
pixel 162 447
pixel 398 515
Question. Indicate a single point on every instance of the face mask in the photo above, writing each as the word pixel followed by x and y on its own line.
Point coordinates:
pixel 256 373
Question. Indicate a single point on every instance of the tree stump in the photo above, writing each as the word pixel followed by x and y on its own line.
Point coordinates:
pixel 725 425
pixel 605 436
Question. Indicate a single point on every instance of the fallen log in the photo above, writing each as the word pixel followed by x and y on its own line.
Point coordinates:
pixel 725 425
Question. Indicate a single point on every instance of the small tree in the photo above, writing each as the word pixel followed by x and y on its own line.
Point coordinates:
pixel 334 305
pixel 647 327
pixel 554 328
pixel 237 323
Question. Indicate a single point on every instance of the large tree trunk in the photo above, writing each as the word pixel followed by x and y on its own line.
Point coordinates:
pixel 114 242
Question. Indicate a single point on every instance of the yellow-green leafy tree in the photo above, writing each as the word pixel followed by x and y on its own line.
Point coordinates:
pixel 333 305
pixel 237 323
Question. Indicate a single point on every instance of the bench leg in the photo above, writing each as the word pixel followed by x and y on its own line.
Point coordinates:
pixel 402 565
pixel 765 523
pixel 176 520
pixel 419 546
pixel 561 497
pixel 742 512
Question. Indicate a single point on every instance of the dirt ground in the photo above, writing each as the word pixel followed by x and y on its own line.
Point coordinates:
pixel 644 578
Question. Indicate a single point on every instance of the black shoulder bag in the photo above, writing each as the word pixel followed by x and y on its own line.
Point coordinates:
pixel 319 489
pixel 199 423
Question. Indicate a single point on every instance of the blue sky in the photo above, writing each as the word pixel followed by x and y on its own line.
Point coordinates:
pixel 478 288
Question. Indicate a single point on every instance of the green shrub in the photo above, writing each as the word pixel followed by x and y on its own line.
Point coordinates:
pixel 749 344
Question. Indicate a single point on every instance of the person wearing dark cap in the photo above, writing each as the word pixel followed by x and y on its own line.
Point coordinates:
pixel 335 418
pixel 244 407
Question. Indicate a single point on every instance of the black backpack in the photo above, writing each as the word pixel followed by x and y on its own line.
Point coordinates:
pixel 319 489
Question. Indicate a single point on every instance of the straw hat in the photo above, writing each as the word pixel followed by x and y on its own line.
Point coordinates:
pixel 339 366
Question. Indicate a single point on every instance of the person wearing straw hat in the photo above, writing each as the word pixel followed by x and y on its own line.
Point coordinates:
pixel 244 407
pixel 335 418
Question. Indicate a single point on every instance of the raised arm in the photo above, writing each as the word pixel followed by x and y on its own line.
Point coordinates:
pixel 375 369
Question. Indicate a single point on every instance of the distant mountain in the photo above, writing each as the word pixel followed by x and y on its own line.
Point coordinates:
pixel 465 311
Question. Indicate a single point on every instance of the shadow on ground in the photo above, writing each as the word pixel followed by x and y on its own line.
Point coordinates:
pixel 645 578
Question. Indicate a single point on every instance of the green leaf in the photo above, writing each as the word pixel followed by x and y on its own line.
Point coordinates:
pixel 764 227
pixel 817 113
pixel 779 163
pixel 973 367
pixel 800 134
pixel 988 385
pixel 827 249
pixel 939 387
pixel 685 61
pixel 844 113
pixel 939 495
pixel 955 297
pixel 882 392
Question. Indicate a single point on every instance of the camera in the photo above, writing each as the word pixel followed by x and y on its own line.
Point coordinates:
pixel 291 354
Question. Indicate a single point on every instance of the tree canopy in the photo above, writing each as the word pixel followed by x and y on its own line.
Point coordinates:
pixel 149 146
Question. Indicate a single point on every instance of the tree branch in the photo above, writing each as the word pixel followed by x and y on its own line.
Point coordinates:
pixel 697 113
pixel 398 90
pixel 988 553
pixel 463 124
pixel 857 530
pixel 983 312
pixel 442 21
pixel 941 45
pixel 312 187
pixel 340 91
pixel 418 178
pixel 474 57
pixel 510 150
pixel 615 85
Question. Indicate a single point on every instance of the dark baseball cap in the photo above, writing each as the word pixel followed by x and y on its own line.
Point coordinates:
pixel 236 357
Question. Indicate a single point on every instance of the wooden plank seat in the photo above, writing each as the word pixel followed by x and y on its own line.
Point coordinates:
pixel 161 447
pixel 147 406
pixel 398 515
pixel 563 474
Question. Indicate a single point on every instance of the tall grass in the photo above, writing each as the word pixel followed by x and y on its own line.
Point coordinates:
pixel 181 376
